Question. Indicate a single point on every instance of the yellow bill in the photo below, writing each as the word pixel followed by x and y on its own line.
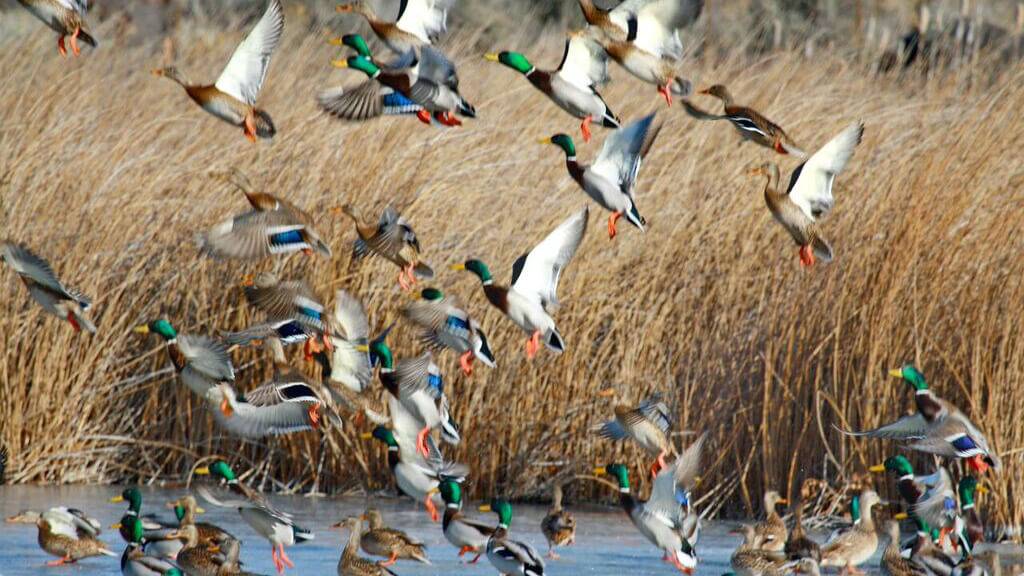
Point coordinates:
pixel 491 57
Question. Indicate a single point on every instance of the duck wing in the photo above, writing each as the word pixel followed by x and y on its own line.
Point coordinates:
pixel 243 77
pixel 535 274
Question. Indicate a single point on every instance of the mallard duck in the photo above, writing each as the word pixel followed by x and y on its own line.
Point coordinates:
pixel 230 550
pixel 652 48
pixel 390 543
pixel 70 536
pixel 419 22
pixel 938 427
pixel 558 525
pixel 926 554
pixel 369 99
pixel 805 566
pixel 201 362
pixel 809 195
pixel 283 302
pixel 750 559
pixel 277 527
pixel 261 233
pixel 351 564
pixel 929 498
pixel 465 534
pixel 419 401
pixel 66 18
pixel 45 288
pixel 662 519
pixel 856 545
pixel 973 530
pixel 772 530
pixel 573 85
pixel 425 76
pixel 416 476
pixel 446 324
pixel 531 298
pixel 233 97
pixel 196 557
pixel 286 404
pixel 611 179
pixel 613 23
pixel 647 424
pixel 893 563
pixel 347 372
pixel 798 544
pixel 391 238
pixel 750 124
pixel 508 556
pixel 185 510
pixel 134 561
pixel 157 536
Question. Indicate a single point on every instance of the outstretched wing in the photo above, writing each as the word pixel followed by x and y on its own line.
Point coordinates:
pixel 79 6
pixel 584 61
pixel 810 187
pixel 535 274
pixel 425 19
pixel 207 356
pixel 28 264
pixel 680 475
pixel 658 23
pixel 622 153
pixel 656 411
pixel 908 427
pixel 243 76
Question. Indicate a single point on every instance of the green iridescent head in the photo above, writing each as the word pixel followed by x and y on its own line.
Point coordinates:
pixel 513 60
pixel 360 63
pixel 132 496
pixel 898 465
pixel 855 508
pixel 380 352
pixel 619 471
pixel 385 435
pixel 911 375
pixel 563 141
pixel 476 267
pixel 451 492
pixel 173 572
pixel 161 327
pixel 966 489
pixel 502 508
pixel 220 469
pixel 431 294
pixel 357 43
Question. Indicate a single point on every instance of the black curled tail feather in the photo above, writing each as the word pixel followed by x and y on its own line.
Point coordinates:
pixel 554 341
pixel 264 125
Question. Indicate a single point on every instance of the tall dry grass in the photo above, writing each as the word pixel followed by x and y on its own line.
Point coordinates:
pixel 105 170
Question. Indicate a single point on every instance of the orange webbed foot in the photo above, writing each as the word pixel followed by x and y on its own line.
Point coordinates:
pixel 806 256
pixel 585 128
pixel 612 230
pixel 423 116
pixel 666 93
pixel 466 362
pixel 60 46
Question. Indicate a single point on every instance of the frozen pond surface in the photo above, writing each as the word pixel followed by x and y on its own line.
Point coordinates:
pixel 607 543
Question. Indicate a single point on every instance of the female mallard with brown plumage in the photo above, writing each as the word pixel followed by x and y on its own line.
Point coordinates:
pixel 893 563
pixel 196 557
pixel 652 49
pixel 419 22
pixel 185 510
pixel 233 97
pixel 855 546
pixel 750 124
pixel 558 525
pixel 647 424
pixel 390 543
pixel 772 530
pixel 45 288
pixel 750 559
pixel 391 238
pixel 446 324
pixel 351 563
pixel 809 195
pixel 798 544
pixel 573 85
pixel 70 536
pixel 66 18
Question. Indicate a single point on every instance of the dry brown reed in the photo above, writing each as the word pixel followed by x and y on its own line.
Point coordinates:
pixel 105 170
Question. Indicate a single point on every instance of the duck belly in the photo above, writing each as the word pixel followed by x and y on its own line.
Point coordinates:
pixel 580 103
pixel 606 193
pixel 225 108
pixel 412 483
pixel 645 67
pixel 271 528
pixel 649 437
pixel 461 535
pixel 49 14
pixel 527 314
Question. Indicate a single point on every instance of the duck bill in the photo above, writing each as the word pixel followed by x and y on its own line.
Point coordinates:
pixel 600 471
pixel 896 372
pixel 491 57
pixel 484 508
pixel 202 471
pixel 117 499
pixel 877 469
pixel 544 141
pixel 457 267
pixel 142 329
pixel 115 526
pixel 900 516
pixel 366 436
pixel 606 393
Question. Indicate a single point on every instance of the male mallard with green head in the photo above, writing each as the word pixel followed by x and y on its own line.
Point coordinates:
pixel 277 527
pixel 662 519
pixel 531 297
pixel 508 556
pixel 750 124
pixel 66 18
pixel 446 324
pixel 573 85
pixel 809 195
pixel 200 361
pixel 464 533
pixel 233 97
pixel 611 179
pixel 45 288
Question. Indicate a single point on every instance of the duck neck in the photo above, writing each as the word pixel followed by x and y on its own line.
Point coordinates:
pixel 351 550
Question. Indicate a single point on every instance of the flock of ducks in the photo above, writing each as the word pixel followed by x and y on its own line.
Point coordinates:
pixel 642 36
